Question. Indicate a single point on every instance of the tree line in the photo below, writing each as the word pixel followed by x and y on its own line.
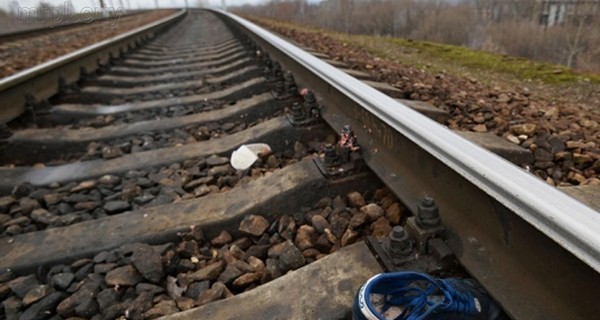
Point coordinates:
pixel 561 32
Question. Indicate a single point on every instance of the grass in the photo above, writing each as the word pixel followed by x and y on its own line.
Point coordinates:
pixel 514 66
pixel 456 60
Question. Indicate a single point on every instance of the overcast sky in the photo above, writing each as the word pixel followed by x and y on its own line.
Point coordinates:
pixel 136 4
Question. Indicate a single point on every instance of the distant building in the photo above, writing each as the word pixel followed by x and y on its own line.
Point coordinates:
pixel 556 12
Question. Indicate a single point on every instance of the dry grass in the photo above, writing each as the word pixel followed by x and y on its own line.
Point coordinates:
pixel 552 82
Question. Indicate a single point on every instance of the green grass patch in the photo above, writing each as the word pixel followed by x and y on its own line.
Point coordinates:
pixel 455 60
pixel 518 67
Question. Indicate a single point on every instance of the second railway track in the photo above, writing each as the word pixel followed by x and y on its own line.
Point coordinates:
pixel 119 198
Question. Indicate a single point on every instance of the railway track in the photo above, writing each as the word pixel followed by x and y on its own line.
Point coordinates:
pixel 25 49
pixel 120 198
pixel 79 21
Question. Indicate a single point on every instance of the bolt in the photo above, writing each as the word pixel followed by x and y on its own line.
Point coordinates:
pixel 428 215
pixel 428 201
pixel 331 157
pixel 398 232
pixel 279 78
pixel 279 88
pixel 276 70
pixel 310 102
pixel 290 83
pixel 400 245
pixel 297 112
pixel 310 98
pixel 267 71
pixel 292 89
pixel 289 77
pixel 314 113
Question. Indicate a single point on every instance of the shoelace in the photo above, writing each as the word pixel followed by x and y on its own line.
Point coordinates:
pixel 460 302
pixel 406 289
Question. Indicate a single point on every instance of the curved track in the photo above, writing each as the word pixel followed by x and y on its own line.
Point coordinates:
pixel 120 199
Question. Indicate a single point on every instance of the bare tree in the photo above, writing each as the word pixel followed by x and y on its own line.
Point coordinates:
pixel 577 33
pixel 513 27
pixel 452 25
pixel 575 44
pixel 202 3
pixel 14 7
pixel 301 7
pixel 346 8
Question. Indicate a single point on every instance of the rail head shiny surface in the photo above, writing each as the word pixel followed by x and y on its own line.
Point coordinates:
pixel 22 76
pixel 570 223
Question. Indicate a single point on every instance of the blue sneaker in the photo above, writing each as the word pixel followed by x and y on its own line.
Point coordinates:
pixel 417 296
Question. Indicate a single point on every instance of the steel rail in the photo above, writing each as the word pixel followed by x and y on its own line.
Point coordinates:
pixel 536 249
pixel 42 81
